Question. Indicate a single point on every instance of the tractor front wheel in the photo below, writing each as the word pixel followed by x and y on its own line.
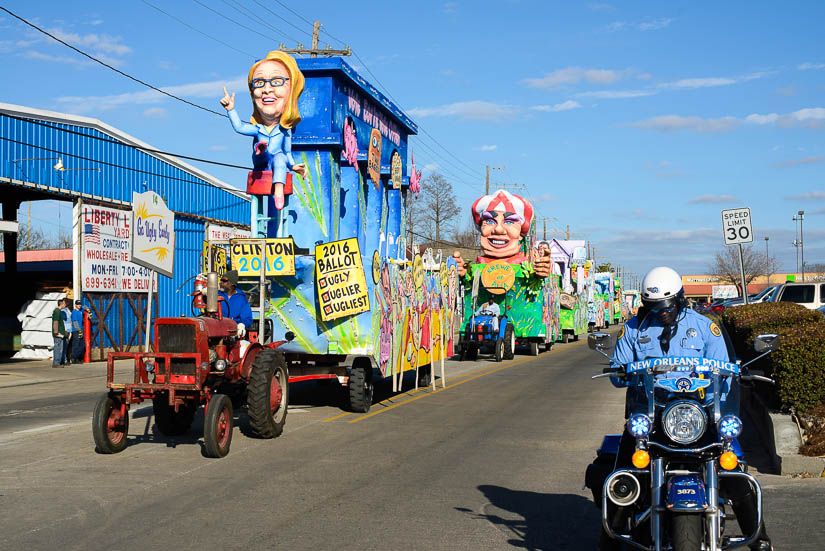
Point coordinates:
pixel 509 342
pixel 268 394
pixel 360 385
pixel 499 349
pixel 217 426
pixel 109 426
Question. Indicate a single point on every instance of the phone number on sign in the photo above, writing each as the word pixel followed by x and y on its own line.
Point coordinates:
pixel 100 283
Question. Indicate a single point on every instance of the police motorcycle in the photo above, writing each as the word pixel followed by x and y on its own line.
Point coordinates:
pixel 685 451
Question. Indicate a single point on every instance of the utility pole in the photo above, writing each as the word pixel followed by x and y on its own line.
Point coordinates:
pixel 544 222
pixel 802 241
pixel 314 51
pixel 567 234
pixel 767 259
pixel 487 178
pixel 796 239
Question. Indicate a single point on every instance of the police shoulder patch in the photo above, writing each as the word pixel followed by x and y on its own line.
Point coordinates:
pixel 715 329
pixel 621 333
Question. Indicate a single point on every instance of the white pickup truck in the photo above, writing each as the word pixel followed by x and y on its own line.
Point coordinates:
pixel 810 294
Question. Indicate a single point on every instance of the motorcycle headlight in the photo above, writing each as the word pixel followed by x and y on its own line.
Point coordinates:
pixel 730 427
pixel 684 422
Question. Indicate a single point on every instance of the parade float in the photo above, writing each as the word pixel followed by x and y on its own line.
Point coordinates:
pixel 633 301
pixel 604 295
pixel 513 299
pixel 344 285
pixel 619 306
pixel 569 258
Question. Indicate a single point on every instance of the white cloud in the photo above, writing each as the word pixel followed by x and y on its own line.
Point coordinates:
pixel 648 25
pixel 808 196
pixel 617 94
pixel 601 7
pixel 690 83
pixel 469 110
pixel 430 167
pixel 218 148
pixel 803 161
pixel 486 148
pixel 213 90
pixel 669 123
pixel 449 8
pixel 813 117
pixel 711 199
pixel 547 197
pixel 574 75
pixel 156 113
pixel 98 42
pixel 808 66
pixel 564 106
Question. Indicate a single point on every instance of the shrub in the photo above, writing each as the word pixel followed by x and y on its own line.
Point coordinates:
pixel 798 366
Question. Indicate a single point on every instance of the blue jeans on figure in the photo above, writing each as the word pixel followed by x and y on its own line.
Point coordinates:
pixel 57 357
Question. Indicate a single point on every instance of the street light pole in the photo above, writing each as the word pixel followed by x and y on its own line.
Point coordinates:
pixel 796 240
pixel 767 259
pixel 802 241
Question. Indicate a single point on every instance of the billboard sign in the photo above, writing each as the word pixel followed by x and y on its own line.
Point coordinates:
pixel 153 243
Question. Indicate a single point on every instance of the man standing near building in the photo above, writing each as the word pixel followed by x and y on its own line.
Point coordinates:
pixel 59 333
pixel 76 354
pixel 67 324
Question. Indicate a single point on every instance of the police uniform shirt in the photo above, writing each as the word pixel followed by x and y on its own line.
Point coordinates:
pixel 696 336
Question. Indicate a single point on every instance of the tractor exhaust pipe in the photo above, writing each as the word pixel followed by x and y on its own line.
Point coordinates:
pixel 212 293
pixel 622 488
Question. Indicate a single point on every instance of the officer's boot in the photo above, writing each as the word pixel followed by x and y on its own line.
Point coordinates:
pixel 746 515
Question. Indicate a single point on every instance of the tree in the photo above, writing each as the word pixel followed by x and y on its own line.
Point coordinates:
pixel 31 239
pixel 439 206
pixel 726 265
pixel 467 237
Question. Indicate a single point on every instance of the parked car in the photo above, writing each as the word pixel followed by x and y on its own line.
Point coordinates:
pixel 763 296
pixel 811 294
pixel 821 309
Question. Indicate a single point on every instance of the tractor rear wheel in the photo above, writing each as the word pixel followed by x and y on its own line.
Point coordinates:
pixel 360 385
pixel 217 426
pixel 109 427
pixel 169 421
pixel 509 342
pixel 268 394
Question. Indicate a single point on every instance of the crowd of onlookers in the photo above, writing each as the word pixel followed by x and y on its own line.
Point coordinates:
pixel 67 329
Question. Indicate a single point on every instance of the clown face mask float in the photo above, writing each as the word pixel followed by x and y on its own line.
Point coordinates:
pixel 275 83
pixel 504 220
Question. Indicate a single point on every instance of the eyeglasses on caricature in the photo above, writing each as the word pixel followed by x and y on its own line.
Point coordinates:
pixel 275 82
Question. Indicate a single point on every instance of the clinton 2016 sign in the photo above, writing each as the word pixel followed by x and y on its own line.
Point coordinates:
pixel 153 245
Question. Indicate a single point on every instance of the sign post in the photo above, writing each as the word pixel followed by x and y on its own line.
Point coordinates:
pixel 737 229
pixel 153 244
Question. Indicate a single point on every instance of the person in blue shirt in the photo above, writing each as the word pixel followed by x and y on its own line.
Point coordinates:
pixel 665 327
pixel 234 305
pixel 77 333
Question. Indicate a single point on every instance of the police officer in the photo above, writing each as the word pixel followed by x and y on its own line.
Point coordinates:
pixel 666 326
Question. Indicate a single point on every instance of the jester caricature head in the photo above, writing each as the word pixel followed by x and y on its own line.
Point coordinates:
pixel 503 220
pixel 275 83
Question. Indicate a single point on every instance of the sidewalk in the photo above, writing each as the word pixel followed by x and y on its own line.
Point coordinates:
pixel 27 372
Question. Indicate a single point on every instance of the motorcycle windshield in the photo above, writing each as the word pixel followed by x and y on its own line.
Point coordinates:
pixel 703 380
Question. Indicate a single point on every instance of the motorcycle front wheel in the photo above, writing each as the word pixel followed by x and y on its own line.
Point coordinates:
pixel 686 531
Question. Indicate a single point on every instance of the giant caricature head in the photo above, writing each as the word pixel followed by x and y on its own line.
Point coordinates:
pixel 503 219
pixel 275 83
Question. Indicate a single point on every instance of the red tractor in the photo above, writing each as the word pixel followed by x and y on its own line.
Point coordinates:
pixel 197 361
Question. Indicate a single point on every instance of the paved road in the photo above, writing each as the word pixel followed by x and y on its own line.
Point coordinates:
pixel 494 461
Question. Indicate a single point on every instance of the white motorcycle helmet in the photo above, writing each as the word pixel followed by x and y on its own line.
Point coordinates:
pixel 661 288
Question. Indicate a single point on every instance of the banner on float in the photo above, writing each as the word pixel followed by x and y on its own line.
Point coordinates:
pixel 106 241
pixel 340 279
pixel 153 243
pixel 246 257
pixel 214 232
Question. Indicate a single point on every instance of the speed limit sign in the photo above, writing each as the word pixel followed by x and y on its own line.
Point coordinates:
pixel 736 226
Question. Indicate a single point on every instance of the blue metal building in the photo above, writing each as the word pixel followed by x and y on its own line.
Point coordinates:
pixel 32 141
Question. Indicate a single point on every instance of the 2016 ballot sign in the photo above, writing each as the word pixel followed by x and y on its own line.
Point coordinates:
pixel 340 281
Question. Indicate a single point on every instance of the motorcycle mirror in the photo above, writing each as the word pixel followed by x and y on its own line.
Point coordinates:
pixel 599 341
pixel 766 343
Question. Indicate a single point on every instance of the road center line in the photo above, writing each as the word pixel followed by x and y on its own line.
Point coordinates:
pixel 455 384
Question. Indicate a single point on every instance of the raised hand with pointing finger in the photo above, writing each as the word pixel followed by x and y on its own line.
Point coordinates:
pixel 228 101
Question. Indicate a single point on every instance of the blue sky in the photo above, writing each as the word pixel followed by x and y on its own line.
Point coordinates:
pixel 633 123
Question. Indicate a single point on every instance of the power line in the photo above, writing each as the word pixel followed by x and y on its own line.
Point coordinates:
pixel 285 20
pixel 187 25
pixel 132 146
pixel 81 52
